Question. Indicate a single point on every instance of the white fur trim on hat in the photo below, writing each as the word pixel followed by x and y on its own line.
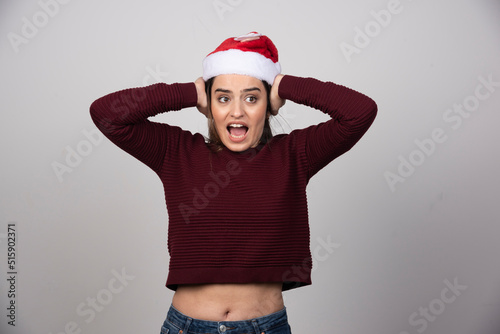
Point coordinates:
pixel 240 62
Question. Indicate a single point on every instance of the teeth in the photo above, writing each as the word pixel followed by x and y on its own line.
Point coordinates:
pixel 236 125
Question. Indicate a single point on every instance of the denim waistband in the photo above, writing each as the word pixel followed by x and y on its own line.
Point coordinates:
pixel 258 325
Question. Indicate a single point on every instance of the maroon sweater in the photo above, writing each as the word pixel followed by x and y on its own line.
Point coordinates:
pixel 235 217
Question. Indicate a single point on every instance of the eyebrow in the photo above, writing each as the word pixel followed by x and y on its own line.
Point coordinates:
pixel 246 90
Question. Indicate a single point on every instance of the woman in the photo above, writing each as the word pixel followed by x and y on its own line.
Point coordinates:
pixel 238 230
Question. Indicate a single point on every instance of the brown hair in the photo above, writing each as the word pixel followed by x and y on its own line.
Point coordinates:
pixel 214 140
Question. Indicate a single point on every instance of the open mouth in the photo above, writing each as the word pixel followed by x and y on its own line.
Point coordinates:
pixel 237 132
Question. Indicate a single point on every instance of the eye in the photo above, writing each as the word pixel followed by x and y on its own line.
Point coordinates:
pixel 251 99
pixel 223 99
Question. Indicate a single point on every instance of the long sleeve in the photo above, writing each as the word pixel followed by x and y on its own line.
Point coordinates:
pixel 122 117
pixel 352 114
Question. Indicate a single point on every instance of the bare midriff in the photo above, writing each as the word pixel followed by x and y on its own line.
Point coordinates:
pixel 228 302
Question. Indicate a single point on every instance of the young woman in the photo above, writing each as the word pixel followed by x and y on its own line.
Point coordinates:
pixel 238 231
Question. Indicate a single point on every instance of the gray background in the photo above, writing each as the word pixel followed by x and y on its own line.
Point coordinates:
pixel 382 253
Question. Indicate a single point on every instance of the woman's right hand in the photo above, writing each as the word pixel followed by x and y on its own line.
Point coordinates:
pixel 202 103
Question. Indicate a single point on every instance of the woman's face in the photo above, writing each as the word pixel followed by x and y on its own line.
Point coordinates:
pixel 239 104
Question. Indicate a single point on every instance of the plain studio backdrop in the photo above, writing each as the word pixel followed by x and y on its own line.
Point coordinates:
pixel 404 227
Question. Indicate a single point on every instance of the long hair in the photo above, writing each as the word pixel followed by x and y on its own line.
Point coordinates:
pixel 214 140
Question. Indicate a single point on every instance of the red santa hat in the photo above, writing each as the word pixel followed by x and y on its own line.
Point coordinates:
pixel 252 54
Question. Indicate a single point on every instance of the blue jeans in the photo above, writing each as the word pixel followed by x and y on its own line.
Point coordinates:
pixel 178 323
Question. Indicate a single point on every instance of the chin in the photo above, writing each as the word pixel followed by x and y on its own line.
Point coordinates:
pixel 237 147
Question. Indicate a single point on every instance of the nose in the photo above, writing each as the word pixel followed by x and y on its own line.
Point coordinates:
pixel 237 111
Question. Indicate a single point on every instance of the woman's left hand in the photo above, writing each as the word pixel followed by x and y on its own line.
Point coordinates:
pixel 276 101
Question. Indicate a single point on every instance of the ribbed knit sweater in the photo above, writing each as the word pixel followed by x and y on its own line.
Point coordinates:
pixel 235 217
